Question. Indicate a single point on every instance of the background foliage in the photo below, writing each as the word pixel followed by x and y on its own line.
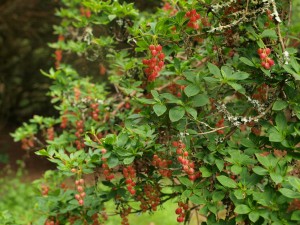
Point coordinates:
pixel 200 105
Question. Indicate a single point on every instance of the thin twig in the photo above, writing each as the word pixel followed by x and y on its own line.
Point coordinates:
pixel 212 131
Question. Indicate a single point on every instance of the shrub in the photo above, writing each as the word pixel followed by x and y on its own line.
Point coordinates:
pixel 200 98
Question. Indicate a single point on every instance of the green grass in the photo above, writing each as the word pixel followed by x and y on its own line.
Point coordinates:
pixel 17 199
pixel 165 215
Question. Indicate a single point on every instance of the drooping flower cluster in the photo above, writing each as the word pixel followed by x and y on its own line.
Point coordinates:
pixel 155 63
pixel 267 62
pixel 194 17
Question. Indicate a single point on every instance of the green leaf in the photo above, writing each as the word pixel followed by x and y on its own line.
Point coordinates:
pixel 122 139
pixel 281 121
pixel 279 105
pixel 242 209
pixel 42 152
pixel 239 194
pixel 112 162
pixel 155 94
pixel 226 181
pixel 213 69
pixel 111 17
pixel 192 112
pixel 176 113
pixel 295 182
pixel 269 33
pixel 264 160
pixel 159 109
pixel 236 169
pixel 296 215
pixel 218 196
pixel 220 164
pixel 200 100
pixel 237 87
pixel 275 135
pixel 254 216
pixel 185 181
pixel 128 160
pixel 239 76
pixel 197 199
pixel 247 61
pixel 187 193
pixel 191 90
pixel 288 69
pixel 260 171
pixel 277 178
pixel 205 172
pixel 289 193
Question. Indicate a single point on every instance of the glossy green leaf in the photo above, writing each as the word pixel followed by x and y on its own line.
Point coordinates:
pixel 226 181
pixel 176 113
pixel 191 90
pixel 242 209
pixel 159 109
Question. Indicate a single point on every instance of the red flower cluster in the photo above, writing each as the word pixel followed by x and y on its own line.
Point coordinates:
pixel 267 62
pixel 181 211
pixel 150 198
pixel 124 213
pixel 80 188
pixel 85 12
pixel 155 63
pixel 163 165
pixel 194 17
pixel 50 133
pixel 95 112
pixel 129 174
pixel 168 8
pixel 187 166
pixel 45 190
pixel 220 124
pixel 27 143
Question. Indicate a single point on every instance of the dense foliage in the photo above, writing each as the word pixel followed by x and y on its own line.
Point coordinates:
pixel 200 105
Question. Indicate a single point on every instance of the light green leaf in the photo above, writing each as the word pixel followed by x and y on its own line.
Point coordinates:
pixel 205 172
pixel 247 61
pixel 112 162
pixel 185 181
pixel 128 160
pixel 159 109
pixel 187 193
pixel 176 113
pixel 236 169
pixel 239 76
pixel 220 164
pixel 275 135
pixel 200 100
pixel 191 90
pixel 242 209
pixel 289 193
pixel 295 182
pixel 254 216
pixel 192 112
pixel 111 17
pixel 269 33
pixel 281 122
pixel 277 178
pixel 296 215
pixel 213 69
pixel 218 196
pixel 237 87
pixel 226 181
pixel 197 199
pixel 260 171
pixel 279 105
